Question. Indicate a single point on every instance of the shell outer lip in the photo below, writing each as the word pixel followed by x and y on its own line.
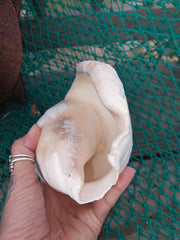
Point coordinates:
pixel 38 171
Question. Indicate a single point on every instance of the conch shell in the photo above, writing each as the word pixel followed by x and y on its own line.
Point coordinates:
pixel 86 140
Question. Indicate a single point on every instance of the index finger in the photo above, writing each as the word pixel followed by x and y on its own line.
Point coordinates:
pixel 103 206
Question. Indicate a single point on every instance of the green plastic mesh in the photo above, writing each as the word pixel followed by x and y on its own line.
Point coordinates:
pixel 141 40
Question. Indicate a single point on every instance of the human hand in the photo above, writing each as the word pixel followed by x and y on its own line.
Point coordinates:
pixel 33 210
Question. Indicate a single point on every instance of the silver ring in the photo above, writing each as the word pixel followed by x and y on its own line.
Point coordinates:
pixel 19 157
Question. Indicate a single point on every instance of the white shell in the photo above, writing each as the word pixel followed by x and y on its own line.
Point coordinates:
pixel 86 140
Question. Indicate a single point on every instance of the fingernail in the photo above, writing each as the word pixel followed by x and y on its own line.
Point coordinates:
pixel 134 172
pixel 28 140
pixel 31 129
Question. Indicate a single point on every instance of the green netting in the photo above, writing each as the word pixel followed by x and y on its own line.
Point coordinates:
pixel 141 40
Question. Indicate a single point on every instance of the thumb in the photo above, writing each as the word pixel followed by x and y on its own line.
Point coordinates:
pixel 26 145
pixel 23 190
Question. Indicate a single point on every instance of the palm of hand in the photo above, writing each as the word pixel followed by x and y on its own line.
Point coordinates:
pixel 69 220
pixel 46 214
pixel 35 211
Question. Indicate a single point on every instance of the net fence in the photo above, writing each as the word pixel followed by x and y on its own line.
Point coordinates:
pixel 141 40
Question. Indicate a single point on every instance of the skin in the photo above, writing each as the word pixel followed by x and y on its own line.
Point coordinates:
pixel 33 210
